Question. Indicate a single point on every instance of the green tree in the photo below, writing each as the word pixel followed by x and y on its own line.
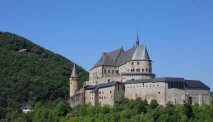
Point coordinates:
pixel 154 104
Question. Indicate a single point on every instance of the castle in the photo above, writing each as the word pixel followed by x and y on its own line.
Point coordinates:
pixel 128 74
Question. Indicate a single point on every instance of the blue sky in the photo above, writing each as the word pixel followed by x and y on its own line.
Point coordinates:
pixel 177 33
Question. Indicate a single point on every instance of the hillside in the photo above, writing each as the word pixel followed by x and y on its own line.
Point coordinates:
pixel 30 73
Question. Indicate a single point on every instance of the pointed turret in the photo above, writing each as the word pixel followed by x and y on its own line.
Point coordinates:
pixel 74 74
pixel 137 40
pixel 146 55
pixel 73 82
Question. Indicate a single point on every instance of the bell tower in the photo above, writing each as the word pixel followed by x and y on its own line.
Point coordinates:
pixel 73 82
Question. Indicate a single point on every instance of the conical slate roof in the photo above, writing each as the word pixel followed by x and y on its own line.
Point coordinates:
pixel 140 53
pixel 74 74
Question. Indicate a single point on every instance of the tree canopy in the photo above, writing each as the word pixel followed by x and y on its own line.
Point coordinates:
pixel 30 73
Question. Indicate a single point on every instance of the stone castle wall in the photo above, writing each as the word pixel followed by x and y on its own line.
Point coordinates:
pixel 146 91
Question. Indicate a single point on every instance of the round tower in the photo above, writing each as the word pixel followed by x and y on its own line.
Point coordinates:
pixel 73 82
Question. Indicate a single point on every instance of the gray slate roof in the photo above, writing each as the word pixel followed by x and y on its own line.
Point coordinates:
pixel 190 84
pixel 74 74
pixel 163 79
pixel 140 53
pixel 26 107
pixel 109 59
pixel 104 85
pixel 194 84
pixel 119 57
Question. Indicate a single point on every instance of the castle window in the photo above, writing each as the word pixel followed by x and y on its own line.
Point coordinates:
pixel 158 92
pixel 104 71
pixel 149 70
pixel 132 63
pixel 142 70
pixel 99 92
pixel 138 63
pixel 108 80
pixel 108 71
pixel 146 69
pixel 112 71
pixel 138 70
pixel 117 71
pixel 133 70
pixel 110 92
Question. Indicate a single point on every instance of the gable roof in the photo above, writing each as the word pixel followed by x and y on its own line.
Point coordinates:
pixel 190 84
pixel 119 57
pixel 195 84
pixel 104 85
pixel 126 56
pixel 109 59
pixel 163 79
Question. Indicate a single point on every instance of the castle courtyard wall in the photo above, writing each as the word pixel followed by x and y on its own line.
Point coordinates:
pixel 148 91
pixel 199 96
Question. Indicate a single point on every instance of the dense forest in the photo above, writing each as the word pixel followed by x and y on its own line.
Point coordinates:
pixel 124 111
pixel 30 74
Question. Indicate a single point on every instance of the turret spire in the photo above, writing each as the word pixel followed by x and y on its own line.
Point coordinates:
pixel 74 74
pixel 137 40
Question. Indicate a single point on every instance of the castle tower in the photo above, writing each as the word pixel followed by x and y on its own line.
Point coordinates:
pixel 140 63
pixel 73 82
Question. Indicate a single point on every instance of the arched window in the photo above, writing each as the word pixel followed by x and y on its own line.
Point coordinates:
pixel 138 70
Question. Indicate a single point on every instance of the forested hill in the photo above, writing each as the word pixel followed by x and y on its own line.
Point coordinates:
pixel 30 73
